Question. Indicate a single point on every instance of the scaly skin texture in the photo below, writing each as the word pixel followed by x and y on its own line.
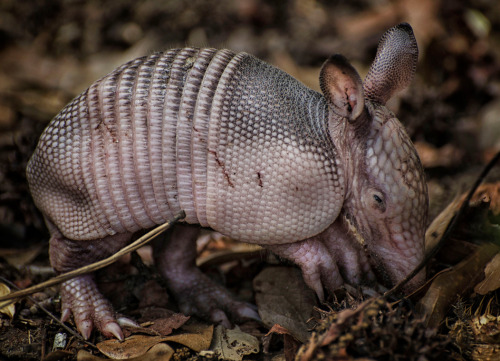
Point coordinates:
pixel 331 182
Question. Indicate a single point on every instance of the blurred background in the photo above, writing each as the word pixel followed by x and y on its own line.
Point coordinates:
pixel 51 50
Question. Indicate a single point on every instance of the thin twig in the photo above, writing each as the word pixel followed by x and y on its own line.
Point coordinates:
pixel 449 228
pixel 94 266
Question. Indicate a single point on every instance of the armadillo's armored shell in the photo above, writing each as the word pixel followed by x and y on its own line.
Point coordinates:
pixel 237 144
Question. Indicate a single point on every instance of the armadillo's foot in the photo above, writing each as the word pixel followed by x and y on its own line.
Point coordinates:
pixel 195 293
pixel 319 269
pixel 89 307
pixel 80 295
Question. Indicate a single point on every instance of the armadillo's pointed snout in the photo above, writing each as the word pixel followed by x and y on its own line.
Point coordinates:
pixel 410 248
pixel 393 277
pixel 394 261
pixel 404 266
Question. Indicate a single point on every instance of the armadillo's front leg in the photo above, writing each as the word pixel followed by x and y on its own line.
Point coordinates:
pixel 346 247
pixel 80 296
pixel 195 293
pixel 329 259
pixel 318 267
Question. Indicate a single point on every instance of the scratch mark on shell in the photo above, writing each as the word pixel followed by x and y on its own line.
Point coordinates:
pixel 223 167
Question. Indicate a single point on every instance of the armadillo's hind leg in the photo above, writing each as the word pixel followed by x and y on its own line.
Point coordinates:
pixel 195 293
pixel 80 295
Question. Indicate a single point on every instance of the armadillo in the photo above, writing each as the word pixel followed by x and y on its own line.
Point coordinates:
pixel 329 181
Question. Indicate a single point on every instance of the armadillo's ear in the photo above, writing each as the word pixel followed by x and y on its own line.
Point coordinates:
pixel 342 87
pixel 394 65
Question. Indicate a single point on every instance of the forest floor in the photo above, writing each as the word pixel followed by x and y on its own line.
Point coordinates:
pixel 51 51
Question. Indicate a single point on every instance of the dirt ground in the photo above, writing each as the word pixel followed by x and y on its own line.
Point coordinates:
pixel 50 51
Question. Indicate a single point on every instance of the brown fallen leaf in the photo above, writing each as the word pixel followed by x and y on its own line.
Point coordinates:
pixel 197 338
pixel 151 313
pixel 278 329
pixel 6 308
pixel 491 280
pixel 290 343
pixel 158 326
pixel 165 326
pixel 233 345
pixel 133 346
pixel 448 286
pixel 480 221
pixel 283 298
pixel 158 352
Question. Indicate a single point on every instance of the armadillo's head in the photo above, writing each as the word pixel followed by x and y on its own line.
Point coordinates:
pixel 386 200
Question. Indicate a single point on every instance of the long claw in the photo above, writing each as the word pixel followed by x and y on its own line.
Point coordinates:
pixel 89 307
pixel 66 313
pixel 113 329
pixel 85 328
pixel 249 313
pixel 127 322
pixel 219 316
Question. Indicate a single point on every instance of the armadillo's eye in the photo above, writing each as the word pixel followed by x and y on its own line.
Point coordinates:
pixel 379 202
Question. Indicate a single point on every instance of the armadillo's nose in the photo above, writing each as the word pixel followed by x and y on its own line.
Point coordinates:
pixel 407 262
pixel 391 277
pixel 407 240
pixel 394 263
